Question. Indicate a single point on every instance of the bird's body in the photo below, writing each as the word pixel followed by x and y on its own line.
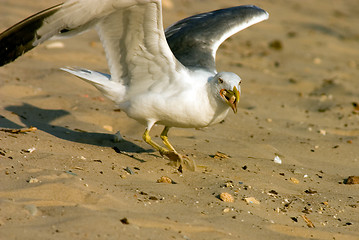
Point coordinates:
pixel 161 104
pixel 158 76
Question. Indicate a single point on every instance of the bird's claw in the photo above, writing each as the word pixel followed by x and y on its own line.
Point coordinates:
pixel 180 161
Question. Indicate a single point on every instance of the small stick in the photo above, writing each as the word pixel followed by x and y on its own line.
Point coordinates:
pixel 309 223
pixel 23 130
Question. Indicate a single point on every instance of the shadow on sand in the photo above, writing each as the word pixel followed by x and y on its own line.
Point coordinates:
pixel 32 116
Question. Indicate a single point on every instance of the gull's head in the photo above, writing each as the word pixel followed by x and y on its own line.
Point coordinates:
pixel 227 84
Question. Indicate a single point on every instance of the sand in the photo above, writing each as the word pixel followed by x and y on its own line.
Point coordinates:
pixel 69 180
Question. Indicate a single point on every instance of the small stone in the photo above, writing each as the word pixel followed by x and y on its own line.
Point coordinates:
pixel 108 128
pixel 30 150
pixel 272 192
pixel 352 180
pixel 165 179
pixel 226 197
pixel 310 191
pixel 220 155
pixel 294 180
pixel 277 160
pixel 118 137
pixel 33 180
pixel 124 221
pixel 129 170
pixel 226 210
pixel 252 200
pixel 229 184
pixel 2 152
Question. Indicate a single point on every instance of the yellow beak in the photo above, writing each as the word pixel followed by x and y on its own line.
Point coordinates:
pixel 231 97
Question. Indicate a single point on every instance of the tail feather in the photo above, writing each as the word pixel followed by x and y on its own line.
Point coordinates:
pixel 113 90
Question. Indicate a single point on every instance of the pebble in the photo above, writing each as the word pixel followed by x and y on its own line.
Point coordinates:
pixel 129 170
pixel 30 150
pixel 310 191
pixel 226 197
pixel 118 137
pixel 252 200
pixel 226 210
pixel 323 132
pixel 294 180
pixel 108 128
pixel 33 180
pixel 352 180
pixel 220 155
pixel 229 184
pixel 165 179
pixel 124 221
pixel 277 160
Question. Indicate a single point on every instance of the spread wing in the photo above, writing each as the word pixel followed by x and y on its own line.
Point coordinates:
pixel 19 39
pixel 131 32
pixel 195 40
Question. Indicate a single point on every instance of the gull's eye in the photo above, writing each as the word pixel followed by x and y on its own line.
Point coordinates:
pixel 220 80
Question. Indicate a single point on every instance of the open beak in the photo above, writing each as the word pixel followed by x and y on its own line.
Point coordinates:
pixel 231 97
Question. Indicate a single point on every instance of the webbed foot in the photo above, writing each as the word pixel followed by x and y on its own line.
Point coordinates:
pixel 180 161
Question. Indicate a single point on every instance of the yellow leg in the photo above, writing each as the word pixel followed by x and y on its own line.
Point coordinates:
pixel 164 138
pixel 147 138
pixel 181 161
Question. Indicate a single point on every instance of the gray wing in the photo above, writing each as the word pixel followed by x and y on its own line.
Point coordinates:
pixel 131 32
pixel 195 40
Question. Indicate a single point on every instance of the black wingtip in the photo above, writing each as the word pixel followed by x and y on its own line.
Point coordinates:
pixel 19 38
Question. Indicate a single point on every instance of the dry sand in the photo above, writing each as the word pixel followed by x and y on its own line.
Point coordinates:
pixel 299 91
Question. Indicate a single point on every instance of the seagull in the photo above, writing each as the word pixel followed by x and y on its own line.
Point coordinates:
pixel 157 77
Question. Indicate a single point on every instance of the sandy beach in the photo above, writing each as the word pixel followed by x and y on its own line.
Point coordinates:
pixel 284 157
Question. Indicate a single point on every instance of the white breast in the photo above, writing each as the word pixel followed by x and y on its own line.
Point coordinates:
pixel 188 104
